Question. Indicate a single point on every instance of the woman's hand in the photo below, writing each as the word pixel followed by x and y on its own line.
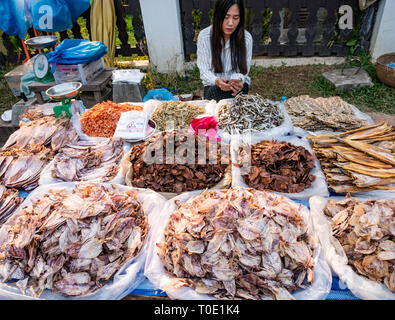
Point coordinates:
pixel 236 86
pixel 223 84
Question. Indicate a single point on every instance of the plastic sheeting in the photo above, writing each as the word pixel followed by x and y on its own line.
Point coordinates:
pixel 55 15
pixel 76 51
pixel 14 18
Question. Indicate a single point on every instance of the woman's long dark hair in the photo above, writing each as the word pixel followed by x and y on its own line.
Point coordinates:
pixel 237 38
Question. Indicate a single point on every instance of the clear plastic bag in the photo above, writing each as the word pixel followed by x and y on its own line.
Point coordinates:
pixel 334 253
pixel 156 274
pixel 126 279
pixel 318 187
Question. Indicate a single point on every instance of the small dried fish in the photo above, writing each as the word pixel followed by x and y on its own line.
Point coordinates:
pixel 176 115
pixel 330 114
pixel 249 112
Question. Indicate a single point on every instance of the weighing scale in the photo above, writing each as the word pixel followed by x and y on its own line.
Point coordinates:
pixel 41 66
pixel 64 92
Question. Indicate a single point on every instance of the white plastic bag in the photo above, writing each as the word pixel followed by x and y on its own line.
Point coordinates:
pixel 132 125
pixel 47 178
pixel 156 274
pixel 282 130
pixel 334 253
pixel 125 279
pixel 318 186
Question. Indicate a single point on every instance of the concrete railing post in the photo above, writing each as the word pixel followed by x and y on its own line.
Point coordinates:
pixel 162 26
pixel 383 36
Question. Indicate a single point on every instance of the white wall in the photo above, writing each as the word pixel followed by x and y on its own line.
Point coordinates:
pixel 383 36
pixel 162 26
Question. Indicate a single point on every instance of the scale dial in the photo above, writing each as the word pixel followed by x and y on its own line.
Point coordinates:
pixel 41 66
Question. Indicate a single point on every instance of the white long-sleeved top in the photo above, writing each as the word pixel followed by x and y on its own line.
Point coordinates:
pixel 207 74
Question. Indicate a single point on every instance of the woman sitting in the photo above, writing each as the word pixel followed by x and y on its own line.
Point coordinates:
pixel 224 52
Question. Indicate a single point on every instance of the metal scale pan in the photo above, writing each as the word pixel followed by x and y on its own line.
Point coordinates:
pixel 42 42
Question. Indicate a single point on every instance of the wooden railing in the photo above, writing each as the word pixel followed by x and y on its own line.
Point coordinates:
pixel 122 7
pixel 279 27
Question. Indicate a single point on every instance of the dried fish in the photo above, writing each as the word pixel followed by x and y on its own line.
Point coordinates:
pixel 9 202
pixel 101 120
pixel 176 115
pixel 249 113
pixel 363 228
pixel 278 166
pixel 70 248
pixel 166 172
pixel 362 157
pixel 88 162
pixel 41 132
pixel 235 262
pixel 329 114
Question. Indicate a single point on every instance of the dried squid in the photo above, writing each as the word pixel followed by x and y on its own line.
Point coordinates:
pixel 239 244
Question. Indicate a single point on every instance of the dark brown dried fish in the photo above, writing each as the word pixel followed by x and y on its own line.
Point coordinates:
pixel 156 167
pixel 278 166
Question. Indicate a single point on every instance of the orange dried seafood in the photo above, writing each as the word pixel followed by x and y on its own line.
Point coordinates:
pixel 102 119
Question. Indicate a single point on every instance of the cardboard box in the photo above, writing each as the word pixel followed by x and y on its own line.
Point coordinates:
pixel 79 72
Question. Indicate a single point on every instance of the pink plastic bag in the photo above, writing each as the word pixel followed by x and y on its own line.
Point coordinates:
pixel 206 126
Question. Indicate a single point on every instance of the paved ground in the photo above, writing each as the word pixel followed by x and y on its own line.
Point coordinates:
pixel 379 117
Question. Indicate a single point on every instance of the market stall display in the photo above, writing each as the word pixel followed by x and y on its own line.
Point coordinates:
pixel 278 166
pixel 366 231
pixel 72 239
pixel 30 148
pixel 249 112
pixel 85 161
pixel 9 201
pixel 357 237
pixel 21 168
pixel 152 164
pixel 238 243
pixel 101 120
pixel 359 160
pixel 326 114
pixel 176 114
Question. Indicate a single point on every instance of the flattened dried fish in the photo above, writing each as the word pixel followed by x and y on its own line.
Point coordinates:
pixel 63 241
pixel 245 258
